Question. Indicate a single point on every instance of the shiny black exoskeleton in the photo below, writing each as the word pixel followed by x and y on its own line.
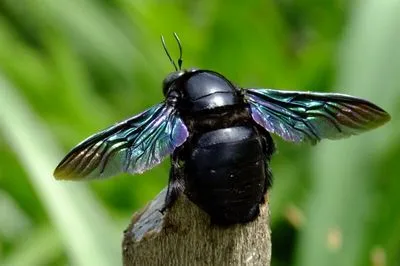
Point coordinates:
pixel 223 166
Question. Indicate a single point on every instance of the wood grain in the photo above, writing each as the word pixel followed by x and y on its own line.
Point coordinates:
pixel 184 236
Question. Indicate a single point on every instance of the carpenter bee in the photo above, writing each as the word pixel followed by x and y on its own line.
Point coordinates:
pixel 218 137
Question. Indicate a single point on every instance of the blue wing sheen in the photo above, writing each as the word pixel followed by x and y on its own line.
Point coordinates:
pixel 132 146
pixel 310 116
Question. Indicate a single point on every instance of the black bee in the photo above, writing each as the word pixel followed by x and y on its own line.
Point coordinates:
pixel 218 137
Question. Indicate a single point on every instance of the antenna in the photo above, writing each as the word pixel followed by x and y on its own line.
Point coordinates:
pixel 166 51
pixel 180 61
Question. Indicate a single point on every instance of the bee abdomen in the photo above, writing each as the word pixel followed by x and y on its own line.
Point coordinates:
pixel 226 174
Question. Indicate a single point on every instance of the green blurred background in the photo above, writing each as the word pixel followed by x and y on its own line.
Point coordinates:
pixel 69 68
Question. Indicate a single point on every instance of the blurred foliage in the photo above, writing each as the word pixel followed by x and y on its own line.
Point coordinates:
pixel 69 68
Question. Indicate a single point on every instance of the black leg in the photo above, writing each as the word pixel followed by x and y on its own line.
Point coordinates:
pixel 268 182
pixel 269 149
pixel 174 185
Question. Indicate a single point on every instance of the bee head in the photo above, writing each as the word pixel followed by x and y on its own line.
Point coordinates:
pixel 170 79
pixel 173 77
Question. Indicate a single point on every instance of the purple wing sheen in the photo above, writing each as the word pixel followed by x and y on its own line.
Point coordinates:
pixel 133 146
pixel 309 116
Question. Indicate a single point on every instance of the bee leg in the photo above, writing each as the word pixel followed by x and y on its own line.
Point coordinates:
pixel 267 184
pixel 269 149
pixel 174 186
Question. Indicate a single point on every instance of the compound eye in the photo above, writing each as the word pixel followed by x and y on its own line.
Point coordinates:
pixel 171 78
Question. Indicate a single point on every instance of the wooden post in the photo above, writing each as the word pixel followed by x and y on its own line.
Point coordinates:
pixel 184 236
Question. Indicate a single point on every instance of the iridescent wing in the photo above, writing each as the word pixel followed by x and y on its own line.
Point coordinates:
pixel 133 146
pixel 309 116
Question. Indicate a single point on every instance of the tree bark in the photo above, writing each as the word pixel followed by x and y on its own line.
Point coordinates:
pixel 184 236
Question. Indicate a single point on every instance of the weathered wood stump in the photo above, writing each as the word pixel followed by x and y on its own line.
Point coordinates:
pixel 184 236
